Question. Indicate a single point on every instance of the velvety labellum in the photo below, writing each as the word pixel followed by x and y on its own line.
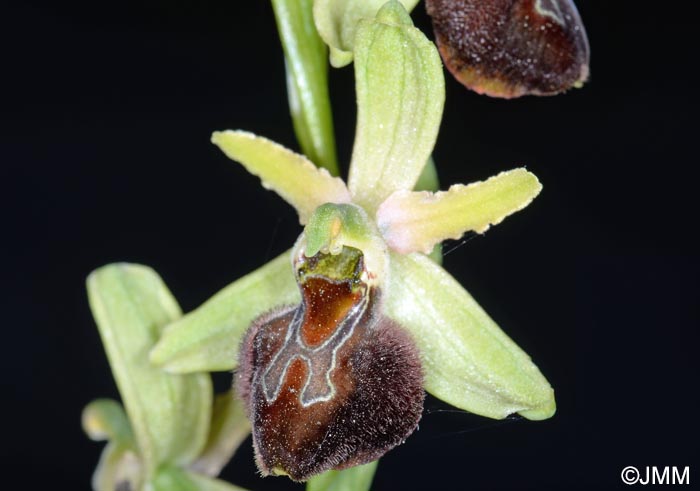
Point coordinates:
pixel 330 383
pixel 510 48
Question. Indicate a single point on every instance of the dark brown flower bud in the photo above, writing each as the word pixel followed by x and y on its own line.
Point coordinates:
pixel 330 383
pixel 510 48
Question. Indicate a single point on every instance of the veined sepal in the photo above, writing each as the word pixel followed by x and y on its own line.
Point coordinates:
pixel 400 96
pixel 468 361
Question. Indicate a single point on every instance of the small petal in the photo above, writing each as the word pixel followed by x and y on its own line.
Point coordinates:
pixel 169 414
pixel 467 360
pixel 331 383
pixel 353 479
pixel 298 181
pixel 511 48
pixel 336 21
pixel 400 96
pixel 416 221
pixel 207 339
pixel 229 427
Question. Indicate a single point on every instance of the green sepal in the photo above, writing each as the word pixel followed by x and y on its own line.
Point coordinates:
pixel 169 414
pixel 357 478
pixel 229 428
pixel 468 361
pixel 400 96
pixel 307 81
pixel 207 339
pixel 337 22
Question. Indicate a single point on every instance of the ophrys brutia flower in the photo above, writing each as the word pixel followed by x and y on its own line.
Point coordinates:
pixel 349 325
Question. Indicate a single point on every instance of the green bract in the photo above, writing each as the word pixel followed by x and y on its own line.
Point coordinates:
pixel 468 361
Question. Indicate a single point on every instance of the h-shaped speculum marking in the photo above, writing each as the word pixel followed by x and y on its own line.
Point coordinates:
pixel 320 360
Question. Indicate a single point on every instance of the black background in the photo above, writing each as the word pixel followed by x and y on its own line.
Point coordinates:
pixel 106 114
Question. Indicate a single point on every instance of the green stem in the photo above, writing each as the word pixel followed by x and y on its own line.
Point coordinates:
pixel 307 81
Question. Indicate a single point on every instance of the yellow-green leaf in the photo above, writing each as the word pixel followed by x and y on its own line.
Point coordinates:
pixel 468 360
pixel 207 339
pixel 416 221
pixel 400 96
pixel 297 180
pixel 169 414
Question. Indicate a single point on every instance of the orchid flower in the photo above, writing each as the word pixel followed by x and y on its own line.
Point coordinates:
pixel 370 235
